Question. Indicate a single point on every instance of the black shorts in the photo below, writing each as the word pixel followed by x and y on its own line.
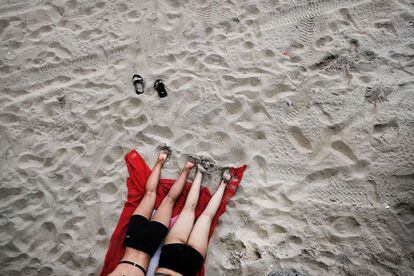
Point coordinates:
pixel 181 258
pixel 145 235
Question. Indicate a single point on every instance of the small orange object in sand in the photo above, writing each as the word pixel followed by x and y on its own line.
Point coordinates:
pixel 285 53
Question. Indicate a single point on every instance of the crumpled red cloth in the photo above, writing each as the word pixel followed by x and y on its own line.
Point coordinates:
pixel 138 174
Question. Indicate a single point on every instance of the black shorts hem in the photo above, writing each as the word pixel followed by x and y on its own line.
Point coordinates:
pixel 181 258
pixel 145 235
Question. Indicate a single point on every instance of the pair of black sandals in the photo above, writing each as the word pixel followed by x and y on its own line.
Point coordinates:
pixel 139 85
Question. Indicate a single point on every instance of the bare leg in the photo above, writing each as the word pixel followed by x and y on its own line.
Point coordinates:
pixel 164 211
pixel 199 235
pixel 145 209
pixel 146 206
pixel 181 230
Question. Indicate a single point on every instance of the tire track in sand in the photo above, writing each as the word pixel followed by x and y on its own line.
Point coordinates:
pixel 65 70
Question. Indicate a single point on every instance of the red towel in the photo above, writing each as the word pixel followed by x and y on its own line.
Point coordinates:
pixel 138 174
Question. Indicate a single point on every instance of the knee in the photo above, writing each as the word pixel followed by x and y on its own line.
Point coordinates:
pixel 188 213
pixel 169 199
pixel 150 194
pixel 208 216
pixel 189 207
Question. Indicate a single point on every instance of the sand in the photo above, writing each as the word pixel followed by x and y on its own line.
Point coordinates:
pixel 315 96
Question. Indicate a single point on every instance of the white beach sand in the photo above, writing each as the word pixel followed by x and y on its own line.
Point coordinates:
pixel 315 96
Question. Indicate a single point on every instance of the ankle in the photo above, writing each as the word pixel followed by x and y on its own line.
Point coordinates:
pixel 199 174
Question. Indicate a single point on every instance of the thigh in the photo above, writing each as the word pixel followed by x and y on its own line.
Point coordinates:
pixel 146 206
pixel 164 212
pixel 181 229
pixel 199 234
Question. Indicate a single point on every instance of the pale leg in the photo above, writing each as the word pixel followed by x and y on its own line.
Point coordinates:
pixel 181 230
pixel 164 211
pixel 199 235
pixel 146 206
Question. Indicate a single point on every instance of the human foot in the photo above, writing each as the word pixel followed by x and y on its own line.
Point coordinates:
pixel 165 152
pixel 190 164
pixel 226 176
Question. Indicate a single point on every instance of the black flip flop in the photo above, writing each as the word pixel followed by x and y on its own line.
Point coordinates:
pixel 160 87
pixel 139 84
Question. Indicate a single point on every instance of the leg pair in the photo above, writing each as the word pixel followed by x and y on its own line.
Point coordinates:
pixel 164 212
pixel 184 230
pixel 145 209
